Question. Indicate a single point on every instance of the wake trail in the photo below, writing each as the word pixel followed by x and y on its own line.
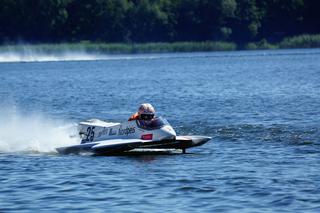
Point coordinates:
pixel 31 56
pixel 33 133
pixel 43 57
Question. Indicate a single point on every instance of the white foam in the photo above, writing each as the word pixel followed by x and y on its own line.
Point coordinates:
pixel 31 56
pixel 33 133
pixel 42 57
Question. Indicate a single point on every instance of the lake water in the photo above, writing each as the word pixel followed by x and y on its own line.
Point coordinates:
pixel 262 109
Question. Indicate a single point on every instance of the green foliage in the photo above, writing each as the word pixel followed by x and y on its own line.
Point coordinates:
pixel 114 48
pixel 261 45
pixel 247 23
pixel 302 41
pixel 138 21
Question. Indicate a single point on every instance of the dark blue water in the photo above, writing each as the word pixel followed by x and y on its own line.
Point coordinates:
pixel 262 109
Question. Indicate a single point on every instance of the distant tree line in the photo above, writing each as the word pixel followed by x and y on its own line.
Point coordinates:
pixel 128 21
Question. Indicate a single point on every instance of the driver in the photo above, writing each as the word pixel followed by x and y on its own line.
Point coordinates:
pixel 145 112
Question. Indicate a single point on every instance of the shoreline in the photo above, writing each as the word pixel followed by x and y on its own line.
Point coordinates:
pixel 301 41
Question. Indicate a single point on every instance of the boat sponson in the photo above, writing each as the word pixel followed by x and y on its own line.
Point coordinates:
pixel 180 142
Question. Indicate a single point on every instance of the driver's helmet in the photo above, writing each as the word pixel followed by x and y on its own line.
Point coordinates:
pixel 146 111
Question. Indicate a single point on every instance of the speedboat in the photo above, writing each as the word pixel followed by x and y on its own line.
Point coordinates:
pixel 103 138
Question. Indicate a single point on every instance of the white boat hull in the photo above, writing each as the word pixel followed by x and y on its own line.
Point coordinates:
pixel 100 137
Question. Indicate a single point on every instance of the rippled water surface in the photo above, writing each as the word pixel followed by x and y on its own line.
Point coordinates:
pixel 262 109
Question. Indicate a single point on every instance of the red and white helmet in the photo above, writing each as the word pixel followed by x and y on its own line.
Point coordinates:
pixel 146 108
pixel 146 112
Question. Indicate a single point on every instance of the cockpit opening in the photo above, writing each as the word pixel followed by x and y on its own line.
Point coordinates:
pixel 155 123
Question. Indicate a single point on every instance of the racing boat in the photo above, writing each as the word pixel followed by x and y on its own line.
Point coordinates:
pixel 101 137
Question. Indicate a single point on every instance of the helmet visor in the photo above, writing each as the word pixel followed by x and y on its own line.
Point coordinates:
pixel 146 117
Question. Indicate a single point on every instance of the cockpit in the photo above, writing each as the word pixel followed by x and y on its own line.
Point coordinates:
pixel 155 123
